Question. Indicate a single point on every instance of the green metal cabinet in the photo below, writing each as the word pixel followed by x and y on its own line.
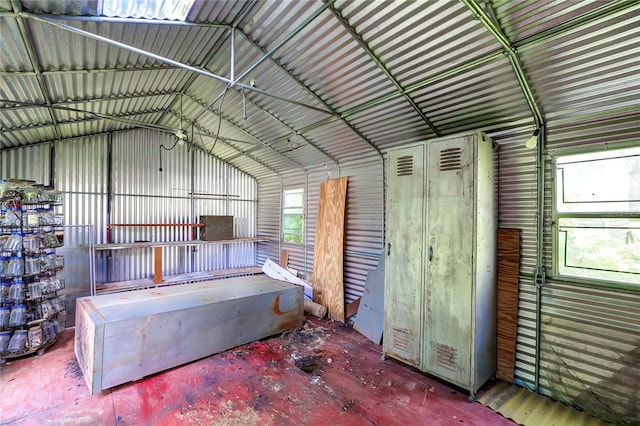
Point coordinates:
pixel 440 280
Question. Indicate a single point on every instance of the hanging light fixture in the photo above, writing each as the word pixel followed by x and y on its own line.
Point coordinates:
pixel 532 142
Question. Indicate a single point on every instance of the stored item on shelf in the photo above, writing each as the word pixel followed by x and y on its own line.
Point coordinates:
pixel 47 309
pixel 57 328
pixel 18 341
pixel 17 291
pixel 49 240
pixel 45 285
pixel 48 332
pixel 16 267
pixel 4 292
pixel 4 264
pixel 62 319
pixel 58 304
pixel 35 289
pixel 35 337
pixel 48 260
pixel 32 265
pixel 12 218
pixel 32 218
pixel 46 217
pixel 14 242
pixel 5 338
pixel 18 316
pixel 216 228
pixel 4 316
pixel 31 196
pixel 31 243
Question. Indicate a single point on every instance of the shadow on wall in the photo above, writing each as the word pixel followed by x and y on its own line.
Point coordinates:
pixel 602 398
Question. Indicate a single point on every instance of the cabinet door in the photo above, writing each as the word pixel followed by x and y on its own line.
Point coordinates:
pixel 449 257
pixel 404 251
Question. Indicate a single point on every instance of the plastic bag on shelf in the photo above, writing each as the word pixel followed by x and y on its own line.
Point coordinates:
pixel 12 217
pixel 18 341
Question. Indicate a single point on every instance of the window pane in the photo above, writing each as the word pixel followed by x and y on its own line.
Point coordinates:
pixel 293 198
pixel 292 217
pixel 586 184
pixel 607 249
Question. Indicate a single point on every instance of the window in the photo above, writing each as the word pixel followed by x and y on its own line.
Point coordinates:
pixel 292 216
pixel 597 216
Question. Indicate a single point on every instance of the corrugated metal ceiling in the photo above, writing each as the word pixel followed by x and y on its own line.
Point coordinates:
pixel 333 80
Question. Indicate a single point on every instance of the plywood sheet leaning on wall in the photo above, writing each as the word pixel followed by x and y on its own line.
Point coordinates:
pixel 508 270
pixel 328 258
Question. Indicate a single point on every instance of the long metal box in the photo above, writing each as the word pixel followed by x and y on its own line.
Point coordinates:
pixel 123 337
pixel 216 228
pixel 440 279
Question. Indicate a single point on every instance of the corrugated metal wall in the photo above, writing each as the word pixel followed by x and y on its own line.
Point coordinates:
pixel 590 336
pixel 191 184
pixel 269 202
pixel 590 339
pixel 364 217
pixel 30 163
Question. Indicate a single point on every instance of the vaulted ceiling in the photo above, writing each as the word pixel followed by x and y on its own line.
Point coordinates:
pixel 296 85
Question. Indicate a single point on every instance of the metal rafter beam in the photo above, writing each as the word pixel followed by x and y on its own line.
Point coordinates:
pixel 512 54
pixel 143 21
pixel 335 115
pixel 33 58
pixel 120 118
pixel 268 55
pixel 416 86
pixel 248 133
pixel 86 71
pixel 292 130
pixel 53 21
pixel 382 67
pixel 26 105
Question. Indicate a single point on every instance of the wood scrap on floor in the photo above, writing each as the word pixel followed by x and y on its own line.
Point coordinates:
pixel 315 309
pixel 328 259
pixel 370 319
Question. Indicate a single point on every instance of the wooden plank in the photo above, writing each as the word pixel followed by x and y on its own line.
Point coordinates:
pixel 352 308
pixel 507 315
pixel 328 258
pixel 284 259
pixel 157 265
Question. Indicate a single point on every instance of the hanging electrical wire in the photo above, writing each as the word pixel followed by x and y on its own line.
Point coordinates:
pixel 224 94
pixel 167 149
pixel 244 104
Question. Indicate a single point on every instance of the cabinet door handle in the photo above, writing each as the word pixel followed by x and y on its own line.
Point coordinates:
pixel 388 249
pixel 430 253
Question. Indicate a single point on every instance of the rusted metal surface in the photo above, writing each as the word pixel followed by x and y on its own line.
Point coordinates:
pixel 126 336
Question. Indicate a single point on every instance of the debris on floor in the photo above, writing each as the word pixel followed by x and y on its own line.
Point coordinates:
pixel 321 373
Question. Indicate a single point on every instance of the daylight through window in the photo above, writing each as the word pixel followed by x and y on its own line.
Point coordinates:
pixel 292 216
pixel 597 216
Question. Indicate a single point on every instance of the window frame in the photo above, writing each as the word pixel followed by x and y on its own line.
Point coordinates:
pixel 557 216
pixel 285 210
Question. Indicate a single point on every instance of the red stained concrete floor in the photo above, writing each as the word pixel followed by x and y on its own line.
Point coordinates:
pixel 260 383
